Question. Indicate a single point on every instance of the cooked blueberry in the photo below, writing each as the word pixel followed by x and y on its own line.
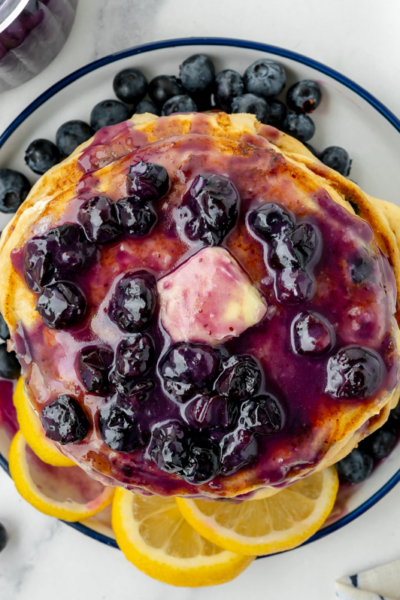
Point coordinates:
pixel 179 104
pixel 134 355
pixel 4 331
pixel 41 155
pixel 380 443
pixel 131 386
pixel 354 373
pixel 249 103
pixel 336 158
pixel 14 188
pixel 304 240
pixel 119 427
pixel 64 421
pixel 271 221
pixel 164 87
pixel 197 73
pixel 300 126
pixel 265 78
pixel 61 305
pixel 147 181
pixel 168 447
pixel 179 390
pixel 361 269
pixel 3 537
pixel 56 254
pixel 193 366
pixel 228 85
pixel 293 286
pixel 355 467
pixel 94 364
pixel 241 378
pixel 130 85
pixel 212 208
pixel 261 415
pixel 71 135
pixel 108 112
pixel 9 365
pixel 283 254
pixel 147 106
pixel 99 218
pixel 208 411
pixel 277 113
pixel 134 301
pixel 203 462
pixel 238 449
pixel 311 335
pixel 304 96
pixel 135 219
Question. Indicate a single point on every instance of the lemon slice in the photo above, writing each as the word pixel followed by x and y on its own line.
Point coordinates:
pixel 268 525
pixel 31 427
pixel 154 536
pixel 68 494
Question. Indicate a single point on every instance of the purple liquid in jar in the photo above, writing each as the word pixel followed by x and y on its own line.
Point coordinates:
pixel 32 33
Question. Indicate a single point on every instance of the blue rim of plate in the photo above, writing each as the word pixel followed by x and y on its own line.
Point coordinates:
pixel 237 43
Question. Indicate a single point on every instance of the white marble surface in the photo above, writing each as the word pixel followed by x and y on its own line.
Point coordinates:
pixel 45 559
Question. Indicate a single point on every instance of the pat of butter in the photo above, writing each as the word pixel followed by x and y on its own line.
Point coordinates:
pixel 209 299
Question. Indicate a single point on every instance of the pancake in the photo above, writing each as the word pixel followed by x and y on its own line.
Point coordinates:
pixel 348 292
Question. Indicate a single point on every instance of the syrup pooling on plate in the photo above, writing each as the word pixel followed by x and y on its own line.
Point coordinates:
pixel 259 408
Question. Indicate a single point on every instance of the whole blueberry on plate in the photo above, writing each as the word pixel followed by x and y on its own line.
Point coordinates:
pixel 3 537
pixel 164 87
pixel 228 85
pixel 9 365
pixel 265 78
pixel 119 426
pixel 179 104
pixel 147 106
pixel 203 462
pixel 355 467
pixel 250 103
pixel 299 126
pixel 94 363
pixel 14 188
pixel 64 420
pixel 197 73
pixel 380 443
pixel 61 305
pixel 147 181
pixel 99 218
pixel 135 219
pixel 354 373
pixel 130 85
pixel 41 155
pixel 71 135
pixel 168 446
pixel 134 301
pixel 277 113
pixel 4 331
pixel 337 158
pixel 108 112
pixel 304 96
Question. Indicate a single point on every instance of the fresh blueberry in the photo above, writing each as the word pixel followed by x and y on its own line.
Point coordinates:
pixel 136 220
pixel 265 78
pixel 197 73
pixel 211 207
pixel 71 135
pixel 277 113
pixel 300 126
pixel 355 467
pixel 207 411
pixel 4 331
pixel 380 443
pixel 304 240
pixel 304 96
pixel 254 105
pixel 99 218
pixel 14 188
pixel 337 158
pixel 41 155
pixel 360 269
pixel 61 305
pixel 311 335
pixel 238 449
pixel 9 365
pixel 241 378
pixel 168 446
pixel 203 462
pixel 119 427
pixel 311 148
pixel 179 104
pixel 134 355
pixel 271 221
pixel 354 373
pixel 147 181
pixel 164 87
pixel 192 367
pixel 147 106
pixel 293 286
pixel 108 112
pixel 94 364
pixel 64 421
pixel 3 537
pixel 134 301
pixel 261 415
pixel 56 254
pixel 228 85
pixel 131 386
pixel 130 86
